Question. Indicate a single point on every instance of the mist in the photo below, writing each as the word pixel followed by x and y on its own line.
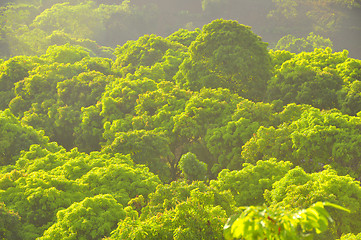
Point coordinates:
pixel 25 25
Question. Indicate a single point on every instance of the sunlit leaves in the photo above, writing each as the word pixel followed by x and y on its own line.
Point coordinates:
pixel 146 51
pixel 92 218
pixel 298 189
pixel 279 223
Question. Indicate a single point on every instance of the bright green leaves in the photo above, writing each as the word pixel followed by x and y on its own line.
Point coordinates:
pixel 123 181
pixel 146 51
pixel 179 211
pixel 184 36
pixel 177 105
pixel 225 142
pixel 299 81
pixel 66 53
pixel 92 218
pixel 279 223
pixel 351 236
pixel 210 107
pixel 298 189
pixel 48 180
pixel 351 73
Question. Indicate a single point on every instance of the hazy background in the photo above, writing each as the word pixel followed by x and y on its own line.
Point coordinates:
pixel 28 27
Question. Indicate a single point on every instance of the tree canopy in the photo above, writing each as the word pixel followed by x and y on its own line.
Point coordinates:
pixel 168 137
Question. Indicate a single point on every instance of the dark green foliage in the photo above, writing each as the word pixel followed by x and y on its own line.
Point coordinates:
pixel 9 223
pixel 12 71
pixel 297 45
pixel 192 169
pixel 15 137
pixel 145 147
pixel 308 78
pixel 229 55
pixel 248 185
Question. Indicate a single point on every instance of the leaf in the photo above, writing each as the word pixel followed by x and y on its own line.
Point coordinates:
pixel 228 226
pixel 328 204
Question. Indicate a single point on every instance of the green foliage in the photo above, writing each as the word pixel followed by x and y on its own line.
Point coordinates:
pixel 278 223
pixel 308 78
pixel 146 51
pixel 92 218
pixel 297 45
pixel 38 196
pixel 192 169
pixel 298 189
pixel 350 71
pixel 351 236
pixel 248 185
pixel 167 196
pixel 66 53
pixel 15 137
pixel 9 223
pixel 315 139
pixel 184 36
pixel 119 98
pixel 179 211
pixel 51 96
pixel 145 147
pixel 158 102
pixel 124 181
pixel 88 23
pixel 12 71
pixel 89 132
pixel 46 180
pixel 325 15
pixel 60 38
pixel 226 142
pixel 209 108
pixel 279 57
pixel 229 55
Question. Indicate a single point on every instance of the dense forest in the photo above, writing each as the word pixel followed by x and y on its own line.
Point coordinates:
pixel 161 120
